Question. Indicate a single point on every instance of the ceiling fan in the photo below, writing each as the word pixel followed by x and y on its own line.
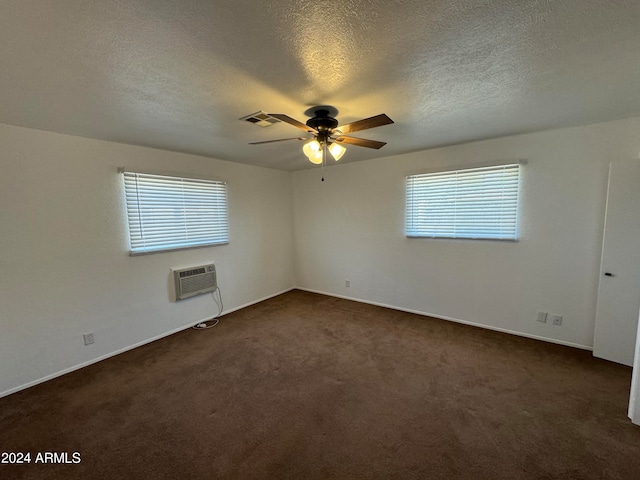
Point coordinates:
pixel 327 135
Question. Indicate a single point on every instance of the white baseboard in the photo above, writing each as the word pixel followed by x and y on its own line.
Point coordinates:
pixel 258 301
pixel 456 320
pixel 131 347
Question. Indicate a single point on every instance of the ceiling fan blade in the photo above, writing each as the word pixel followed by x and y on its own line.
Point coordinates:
pixel 361 142
pixel 365 123
pixel 279 140
pixel 293 121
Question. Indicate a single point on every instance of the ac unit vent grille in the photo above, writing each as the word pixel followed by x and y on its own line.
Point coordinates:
pixel 190 273
pixel 193 281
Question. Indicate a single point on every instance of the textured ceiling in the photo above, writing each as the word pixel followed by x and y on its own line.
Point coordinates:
pixel 178 75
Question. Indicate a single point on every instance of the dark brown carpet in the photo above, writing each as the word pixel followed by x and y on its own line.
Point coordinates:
pixel 305 386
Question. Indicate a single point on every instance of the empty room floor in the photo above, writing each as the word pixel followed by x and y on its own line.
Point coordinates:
pixel 306 386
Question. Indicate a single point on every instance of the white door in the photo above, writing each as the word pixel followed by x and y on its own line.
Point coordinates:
pixel 634 398
pixel 619 287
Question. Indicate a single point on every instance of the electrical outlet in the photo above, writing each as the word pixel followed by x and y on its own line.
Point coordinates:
pixel 88 338
pixel 542 317
pixel 347 283
pixel 556 319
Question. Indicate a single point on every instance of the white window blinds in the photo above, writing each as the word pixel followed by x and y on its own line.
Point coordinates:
pixel 170 213
pixel 477 203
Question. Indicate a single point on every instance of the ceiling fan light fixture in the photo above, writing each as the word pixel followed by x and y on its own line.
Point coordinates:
pixel 313 151
pixel 313 146
pixel 337 151
pixel 324 127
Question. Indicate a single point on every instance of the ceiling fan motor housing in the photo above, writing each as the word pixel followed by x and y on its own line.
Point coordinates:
pixel 322 121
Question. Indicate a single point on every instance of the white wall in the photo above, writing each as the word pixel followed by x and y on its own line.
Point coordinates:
pixel 351 227
pixel 64 259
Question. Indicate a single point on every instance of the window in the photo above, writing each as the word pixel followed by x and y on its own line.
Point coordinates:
pixel 479 203
pixel 171 213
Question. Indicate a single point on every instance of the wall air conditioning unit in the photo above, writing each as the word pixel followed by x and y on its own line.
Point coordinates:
pixel 193 281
